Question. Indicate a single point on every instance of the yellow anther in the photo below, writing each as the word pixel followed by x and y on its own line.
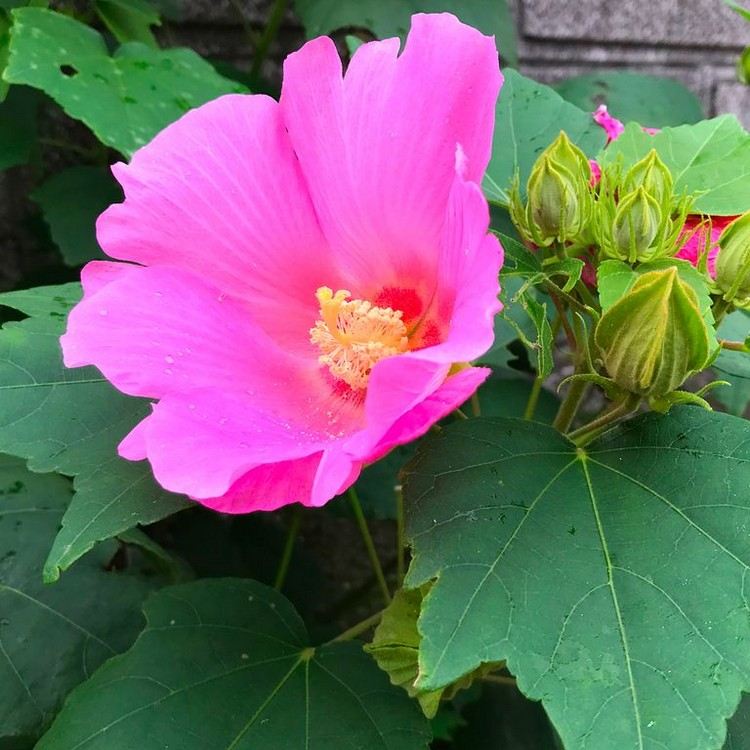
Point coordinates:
pixel 353 335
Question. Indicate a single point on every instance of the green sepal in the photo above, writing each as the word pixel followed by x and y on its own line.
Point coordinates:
pixel 395 648
pixel 654 337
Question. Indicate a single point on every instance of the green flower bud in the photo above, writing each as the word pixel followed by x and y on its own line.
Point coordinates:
pixel 559 194
pixel 654 337
pixel 635 226
pixel 653 175
pixel 733 261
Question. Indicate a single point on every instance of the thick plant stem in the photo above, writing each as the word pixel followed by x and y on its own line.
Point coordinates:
pixel 570 405
pixel 400 567
pixel 734 346
pixel 476 409
pixel 536 389
pixel 359 628
pixel 269 34
pixel 720 309
pixel 286 555
pixel 584 435
pixel 369 544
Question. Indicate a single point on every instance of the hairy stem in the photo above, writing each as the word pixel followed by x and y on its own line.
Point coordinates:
pixel 536 389
pixel 359 628
pixel 570 405
pixel 286 555
pixel 584 435
pixel 369 544
pixel 400 566
pixel 269 34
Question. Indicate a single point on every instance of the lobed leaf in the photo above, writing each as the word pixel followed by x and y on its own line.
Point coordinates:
pixel 125 99
pixel 612 579
pixel 51 637
pixel 710 159
pixel 71 421
pixel 227 663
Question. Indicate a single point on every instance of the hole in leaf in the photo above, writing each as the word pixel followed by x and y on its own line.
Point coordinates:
pixel 70 71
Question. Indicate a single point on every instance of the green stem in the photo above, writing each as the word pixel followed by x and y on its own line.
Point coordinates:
pixel 460 414
pixel 269 34
pixel 358 629
pixel 400 566
pixel 584 435
pixel 476 408
pixel 369 544
pixel 734 346
pixel 286 555
pixel 563 319
pixel 720 308
pixel 586 295
pixel 536 389
pixel 570 405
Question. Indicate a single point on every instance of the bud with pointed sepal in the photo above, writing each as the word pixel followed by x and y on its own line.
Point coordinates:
pixel 654 337
pixel 733 262
pixel 653 175
pixel 636 226
pixel 559 195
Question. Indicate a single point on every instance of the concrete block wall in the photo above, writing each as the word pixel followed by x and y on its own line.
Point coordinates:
pixel 695 41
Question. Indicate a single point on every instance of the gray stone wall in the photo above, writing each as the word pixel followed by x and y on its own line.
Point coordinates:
pixel 695 41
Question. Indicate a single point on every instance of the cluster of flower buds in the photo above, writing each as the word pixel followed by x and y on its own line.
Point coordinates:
pixel 637 216
pixel 732 280
pixel 559 201
pixel 654 337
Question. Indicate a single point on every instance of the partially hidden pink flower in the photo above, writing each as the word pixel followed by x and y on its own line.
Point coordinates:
pixel 303 280
pixel 612 126
pixel 695 237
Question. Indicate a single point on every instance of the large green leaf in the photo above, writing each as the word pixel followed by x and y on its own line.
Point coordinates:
pixel 528 118
pixel 387 18
pixel 71 201
pixel 71 421
pixel 611 579
pixel 51 637
pixel 650 100
pixel 710 159
pixel 125 99
pixel 227 664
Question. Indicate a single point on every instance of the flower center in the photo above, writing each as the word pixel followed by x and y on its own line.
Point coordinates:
pixel 353 335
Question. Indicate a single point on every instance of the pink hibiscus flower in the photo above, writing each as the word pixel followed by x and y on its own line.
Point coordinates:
pixel 304 279
pixel 694 234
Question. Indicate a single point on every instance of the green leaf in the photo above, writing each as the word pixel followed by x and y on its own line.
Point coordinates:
pixel 71 421
pixel 129 20
pixel 18 126
pixel 529 116
pixel 737 8
pixel 649 100
pixel 51 637
pixel 541 348
pixel 395 646
pixel 710 159
pixel 71 201
pixel 125 99
pixel 735 327
pixel 388 18
pixel 227 664
pixel 611 579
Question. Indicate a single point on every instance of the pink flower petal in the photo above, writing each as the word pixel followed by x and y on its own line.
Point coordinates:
pixel 201 443
pixel 378 147
pixel 694 235
pixel 612 126
pixel 269 487
pixel 219 192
